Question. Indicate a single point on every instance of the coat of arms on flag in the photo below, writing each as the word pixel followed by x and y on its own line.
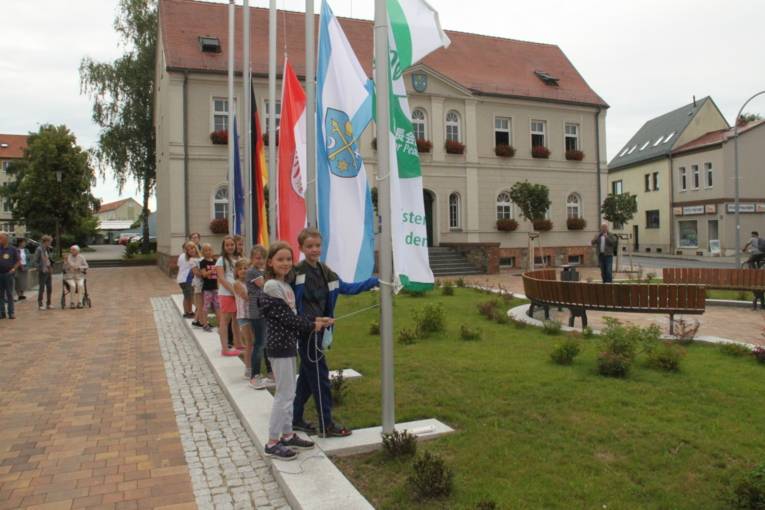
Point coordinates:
pixel 342 149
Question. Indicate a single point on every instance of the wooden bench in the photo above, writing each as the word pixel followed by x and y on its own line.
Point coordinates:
pixel 752 280
pixel 543 289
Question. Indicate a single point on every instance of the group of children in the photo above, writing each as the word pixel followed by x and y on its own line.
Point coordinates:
pixel 271 304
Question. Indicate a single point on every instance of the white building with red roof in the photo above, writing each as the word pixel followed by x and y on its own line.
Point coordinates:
pixel 11 149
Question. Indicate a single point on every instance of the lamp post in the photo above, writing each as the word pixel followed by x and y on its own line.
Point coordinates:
pixel 59 176
pixel 736 184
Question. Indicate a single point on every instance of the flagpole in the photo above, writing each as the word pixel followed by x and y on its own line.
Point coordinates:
pixel 272 135
pixel 231 141
pixel 247 118
pixel 310 113
pixel 383 186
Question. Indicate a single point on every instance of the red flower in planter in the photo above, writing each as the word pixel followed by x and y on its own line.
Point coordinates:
pixel 504 151
pixel 542 225
pixel 454 147
pixel 506 225
pixel 219 226
pixel 576 223
pixel 219 137
pixel 540 151
pixel 574 155
pixel 424 145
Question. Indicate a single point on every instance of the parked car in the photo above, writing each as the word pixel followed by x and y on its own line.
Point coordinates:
pixel 124 239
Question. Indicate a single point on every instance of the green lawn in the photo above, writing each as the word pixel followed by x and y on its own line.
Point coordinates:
pixel 531 434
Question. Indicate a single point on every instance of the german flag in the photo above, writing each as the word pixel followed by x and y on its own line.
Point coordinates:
pixel 259 179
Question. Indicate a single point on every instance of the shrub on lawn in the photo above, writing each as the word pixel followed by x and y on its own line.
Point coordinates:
pixel 338 388
pixel 447 289
pixel 468 333
pixel 685 330
pixel 565 352
pixel 611 364
pixel 488 308
pixel 735 350
pixel 551 327
pixel 407 336
pixel 666 357
pixel 399 444
pixel 374 328
pixel 501 317
pixel 460 282
pixel 587 332
pixel 431 477
pixel 759 354
pixel 429 319
pixel 749 491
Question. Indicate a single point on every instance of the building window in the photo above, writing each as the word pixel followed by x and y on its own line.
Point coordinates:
pixel 6 164
pixel 617 187
pixel 574 206
pixel 220 202
pixel 689 236
pixel 708 175
pixel 647 179
pixel 453 126
pixel 220 114
pixel 507 262
pixel 572 137
pixel 418 124
pixel 696 179
pixel 575 259
pixel 502 133
pixel 683 179
pixel 538 133
pixel 454 210
pixel 652 219
pixel 277 115
pixel 655 181
pixel 504 206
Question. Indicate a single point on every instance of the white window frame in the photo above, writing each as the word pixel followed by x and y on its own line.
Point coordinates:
pixel 655 181
pixel 218 113
pixel 455 124
pixel 533 132
pixel 423 122
pixel 708 175
pixel 683 179
pixel 267 113
pixel 508 130
pixel 214 200
pixel 575 136
pixel 504 214
pixel 455 211
pixel 695 177
pixel 575 204
pixel 619 184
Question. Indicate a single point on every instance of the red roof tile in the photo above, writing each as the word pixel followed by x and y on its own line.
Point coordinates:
pixel 111 206
pixel 715 137
pixel 16 145
pixel 483 64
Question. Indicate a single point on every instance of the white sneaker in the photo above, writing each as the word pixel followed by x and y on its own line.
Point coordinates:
pixel 270 383
pixel 259 382
pixel 42 307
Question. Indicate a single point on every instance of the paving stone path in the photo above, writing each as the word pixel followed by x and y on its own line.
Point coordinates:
pixel 227 472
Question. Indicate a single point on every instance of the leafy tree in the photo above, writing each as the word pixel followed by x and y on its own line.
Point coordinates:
pixel 619 209
pixel 39 199
pixel 532 199
pixel 123 102
pixel 745 118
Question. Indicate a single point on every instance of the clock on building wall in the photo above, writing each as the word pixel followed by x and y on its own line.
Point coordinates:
pixel 420 81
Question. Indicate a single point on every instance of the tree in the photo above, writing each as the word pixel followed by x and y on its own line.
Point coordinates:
pixel 619 209
pixel 532 199
pixel 745 118
pixel 123 102
pixel 39 199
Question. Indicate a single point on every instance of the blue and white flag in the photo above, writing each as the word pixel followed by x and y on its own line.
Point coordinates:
pixel 343 111
pixel 238 188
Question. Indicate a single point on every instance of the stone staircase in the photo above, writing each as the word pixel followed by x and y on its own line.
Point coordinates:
pixel 448 262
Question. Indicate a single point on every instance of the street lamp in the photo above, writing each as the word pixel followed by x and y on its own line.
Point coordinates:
pixel 59 176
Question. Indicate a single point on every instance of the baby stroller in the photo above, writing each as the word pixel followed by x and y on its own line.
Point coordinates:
pixel 65 290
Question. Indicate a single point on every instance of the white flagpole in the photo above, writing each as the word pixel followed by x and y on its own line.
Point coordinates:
pixel 272 184
pixel 247 118
pixel 383 187
pixel 231 51
pixel 310 114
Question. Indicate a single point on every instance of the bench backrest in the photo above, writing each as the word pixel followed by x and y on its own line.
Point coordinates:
pixel 614 296
pixel 717 278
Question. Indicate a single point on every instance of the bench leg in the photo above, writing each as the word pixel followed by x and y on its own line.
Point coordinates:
pixel 547 313
pixel 530 311
pixel 577 312
pixel 758 296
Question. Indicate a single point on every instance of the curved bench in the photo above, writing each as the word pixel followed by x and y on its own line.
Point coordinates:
pixel 752 280
pixel 543 289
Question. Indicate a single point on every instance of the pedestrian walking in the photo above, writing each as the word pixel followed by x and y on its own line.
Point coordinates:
pixel 9 263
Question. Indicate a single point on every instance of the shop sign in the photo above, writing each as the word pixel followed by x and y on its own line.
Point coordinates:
pixel 710 208
pixel 693 209
pixel 748 207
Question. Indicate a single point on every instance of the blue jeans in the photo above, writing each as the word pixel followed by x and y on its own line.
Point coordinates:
pixel 606 262
pixel 6 293
pixel 310 384
pixel 258 327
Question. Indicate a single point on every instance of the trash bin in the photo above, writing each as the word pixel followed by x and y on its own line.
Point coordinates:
pixel 569 273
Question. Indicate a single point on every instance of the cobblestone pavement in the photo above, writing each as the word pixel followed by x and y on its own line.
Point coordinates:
pixel 226 470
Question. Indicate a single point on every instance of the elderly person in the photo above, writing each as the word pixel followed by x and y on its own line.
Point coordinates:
pixel 22 273
pixel 44 265
pixel 606 245
pixel 75 266
pixel 9 263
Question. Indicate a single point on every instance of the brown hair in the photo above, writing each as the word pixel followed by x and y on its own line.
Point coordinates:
pixel 237 240
pixel 260 249
pixel 306 233
pixel 224 255
pixel 275 248
pixel 46 237
pixel 241 263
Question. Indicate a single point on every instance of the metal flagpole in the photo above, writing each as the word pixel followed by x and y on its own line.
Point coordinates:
pixel 247 117
pixel 310 113
pixel 272 134
pixel 383 187
pixel 230 110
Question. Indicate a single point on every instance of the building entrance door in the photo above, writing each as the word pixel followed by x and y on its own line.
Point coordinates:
pixel 713 234
pixel 428 202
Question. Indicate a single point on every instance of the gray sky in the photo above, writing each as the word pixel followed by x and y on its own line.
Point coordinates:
pixel 644 58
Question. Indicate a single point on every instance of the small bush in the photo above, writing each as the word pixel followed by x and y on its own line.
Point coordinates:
pixel 338 388
pixel 649 277
pixel 488 309
pixel 431 477
pixel 461 282
pixel 468 333
pixel 759 354
pixel 447 289
pixel 735 350
pixel 565 352
pixel 667 357
pixel 374 328
pixel 501 317
pixel 132 249
pixel 413 293
pixel 429 319
pixel 749 492
pixel 399 444
pixel 613 365
pixel 685 330
pixel 587 332
pixel 551 327
pixel 407 336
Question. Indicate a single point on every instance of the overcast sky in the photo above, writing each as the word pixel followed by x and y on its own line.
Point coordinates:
pixel 643 57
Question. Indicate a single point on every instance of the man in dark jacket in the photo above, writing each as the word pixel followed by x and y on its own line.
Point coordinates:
pixel 9 263
pixel 44 264
pixel 606 245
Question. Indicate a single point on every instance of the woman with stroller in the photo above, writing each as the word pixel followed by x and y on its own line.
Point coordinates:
pixel 75 267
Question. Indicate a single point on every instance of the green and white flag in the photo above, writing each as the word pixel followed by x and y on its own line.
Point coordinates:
pixel 414 33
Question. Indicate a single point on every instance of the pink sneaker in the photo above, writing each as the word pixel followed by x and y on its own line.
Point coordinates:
pixel 232 352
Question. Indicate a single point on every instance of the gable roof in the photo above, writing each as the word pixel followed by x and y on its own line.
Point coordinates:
pixel 111 206
pixel 657 136
pixel 717 137
pixel 15 146
pixel 481 64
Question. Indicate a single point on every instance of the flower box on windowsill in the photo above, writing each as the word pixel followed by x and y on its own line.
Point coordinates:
pixel 540 151
pixel 542 225
pixel 219 226
pixel 504 151
pixel 576 223
pixel 219 137
pixel 507 225
pixel 574 155
pixel 454 147
pixel 424 146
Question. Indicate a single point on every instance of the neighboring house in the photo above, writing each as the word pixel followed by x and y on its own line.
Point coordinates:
pixel 127 209
pixel 703 202
pixel 644 167
pixel 11 149
pixel 481 92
